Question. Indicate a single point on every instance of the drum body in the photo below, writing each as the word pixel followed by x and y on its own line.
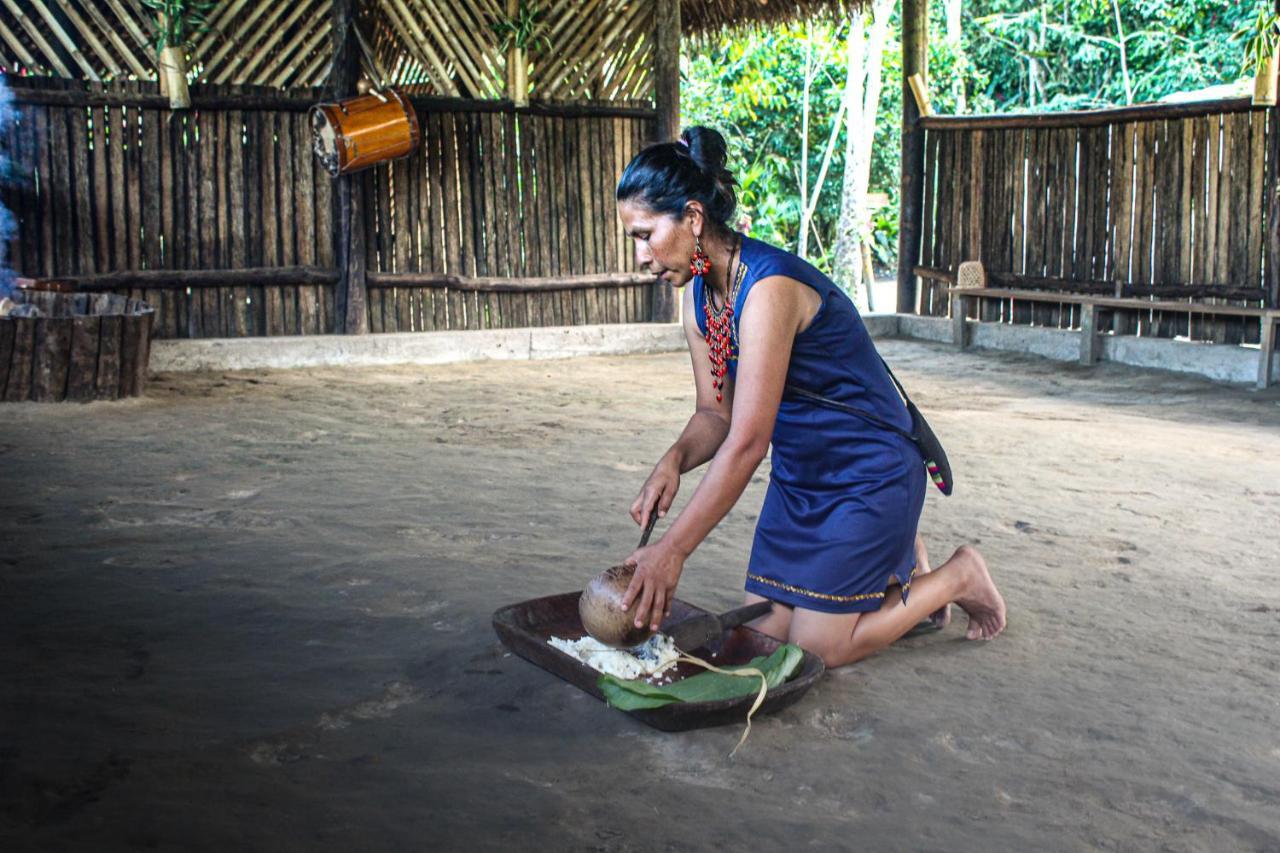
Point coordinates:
pixel 356 133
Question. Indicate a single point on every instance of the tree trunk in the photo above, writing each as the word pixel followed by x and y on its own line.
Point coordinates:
pixel 1124 53
pixel 846 265
pixel 802 244
pixel 865 60
pixel 955 33
pixel 1033 65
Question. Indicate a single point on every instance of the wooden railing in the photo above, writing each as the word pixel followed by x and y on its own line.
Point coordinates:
pixel 1172 201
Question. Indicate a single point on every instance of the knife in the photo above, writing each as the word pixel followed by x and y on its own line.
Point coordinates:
pixel 697 631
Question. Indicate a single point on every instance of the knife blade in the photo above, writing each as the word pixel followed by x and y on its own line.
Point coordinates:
pixel 697 631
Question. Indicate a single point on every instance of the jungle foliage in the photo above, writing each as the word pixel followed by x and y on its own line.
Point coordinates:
pixel 1012 55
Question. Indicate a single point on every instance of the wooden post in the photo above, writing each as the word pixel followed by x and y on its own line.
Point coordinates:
pixel 1267 349
pixel 915 60
pixel 348 201
pixel 1273 203
pixel 1272 196
pixel 666 68
pixel 1089 340
pixel 959 318
pixel 666 74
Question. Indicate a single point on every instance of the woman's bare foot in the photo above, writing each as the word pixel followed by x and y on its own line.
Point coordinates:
pixel 979 597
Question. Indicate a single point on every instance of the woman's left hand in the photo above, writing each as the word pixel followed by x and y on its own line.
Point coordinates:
pixel 653 585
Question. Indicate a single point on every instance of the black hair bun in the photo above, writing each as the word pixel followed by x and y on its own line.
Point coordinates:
pixel 666 176
pixel 708 150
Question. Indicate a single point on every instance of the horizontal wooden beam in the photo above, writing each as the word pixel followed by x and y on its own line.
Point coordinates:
pixel 508 285
pixel 1108 288
pixel 1064 286
pixel 199 100
pixel 301 275
pixel 1113 303
pixel 1090 118
pixel 178 279
pixel 301 103
pixel 535 108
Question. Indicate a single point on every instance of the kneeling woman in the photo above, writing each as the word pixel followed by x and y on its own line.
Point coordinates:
pixel 836 543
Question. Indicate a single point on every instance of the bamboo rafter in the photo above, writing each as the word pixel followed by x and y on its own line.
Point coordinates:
pixel 598 49
pixel 86 39
pixel 595 50
pixel 252 61
pixel 597 58
pixel 249 41
pixel 257 43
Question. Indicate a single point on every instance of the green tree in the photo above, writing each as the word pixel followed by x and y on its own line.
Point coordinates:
pixel 1168 46
pixel 751 86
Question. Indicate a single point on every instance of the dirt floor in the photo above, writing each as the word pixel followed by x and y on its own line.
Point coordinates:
pixel 252 611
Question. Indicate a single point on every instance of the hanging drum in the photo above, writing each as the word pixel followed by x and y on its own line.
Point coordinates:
pixel 359 132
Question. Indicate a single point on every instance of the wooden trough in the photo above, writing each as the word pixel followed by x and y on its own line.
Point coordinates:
pixel 526 627
pixel 84 346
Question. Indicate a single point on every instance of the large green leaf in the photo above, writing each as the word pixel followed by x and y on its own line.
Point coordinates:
pixel 705 687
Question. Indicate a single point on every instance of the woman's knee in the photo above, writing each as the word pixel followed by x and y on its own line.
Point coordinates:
pixel 832 654
pixel 830 636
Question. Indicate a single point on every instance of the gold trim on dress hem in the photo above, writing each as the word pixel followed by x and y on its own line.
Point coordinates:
pixel 823 596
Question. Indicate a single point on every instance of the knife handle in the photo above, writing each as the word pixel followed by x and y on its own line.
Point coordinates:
pixel 648 528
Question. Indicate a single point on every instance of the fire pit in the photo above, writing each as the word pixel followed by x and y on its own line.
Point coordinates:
pixel 73 346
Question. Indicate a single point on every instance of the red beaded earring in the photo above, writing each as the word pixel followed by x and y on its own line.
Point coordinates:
pixel 700 263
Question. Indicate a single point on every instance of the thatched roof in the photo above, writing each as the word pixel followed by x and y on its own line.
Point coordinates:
pixel 447 47
pixel 699 17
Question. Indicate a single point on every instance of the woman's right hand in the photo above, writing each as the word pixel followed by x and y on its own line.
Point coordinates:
pixel 658 491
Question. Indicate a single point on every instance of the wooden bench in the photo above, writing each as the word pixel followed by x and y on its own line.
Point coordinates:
pixel 963 297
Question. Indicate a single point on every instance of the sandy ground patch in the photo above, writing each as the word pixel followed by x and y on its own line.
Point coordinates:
pixel 251 611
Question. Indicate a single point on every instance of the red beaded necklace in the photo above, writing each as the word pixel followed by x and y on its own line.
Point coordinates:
pixel 720 325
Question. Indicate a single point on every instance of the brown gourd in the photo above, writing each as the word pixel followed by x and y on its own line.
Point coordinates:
pixel 602 614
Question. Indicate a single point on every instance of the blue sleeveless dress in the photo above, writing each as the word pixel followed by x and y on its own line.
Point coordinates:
pixel 844 498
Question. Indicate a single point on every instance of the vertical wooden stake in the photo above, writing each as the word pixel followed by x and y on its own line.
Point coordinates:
pixel 666 68
pixel 915 61
pixel 1089 341
pixel 1267 349
pixel 666 73
pixel 348 200
pixel 1272 197
pixel 959 318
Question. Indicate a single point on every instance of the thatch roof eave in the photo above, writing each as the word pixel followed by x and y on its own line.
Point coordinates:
pixel 703 17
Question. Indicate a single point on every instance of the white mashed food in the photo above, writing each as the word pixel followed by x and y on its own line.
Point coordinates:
pixel 650 657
